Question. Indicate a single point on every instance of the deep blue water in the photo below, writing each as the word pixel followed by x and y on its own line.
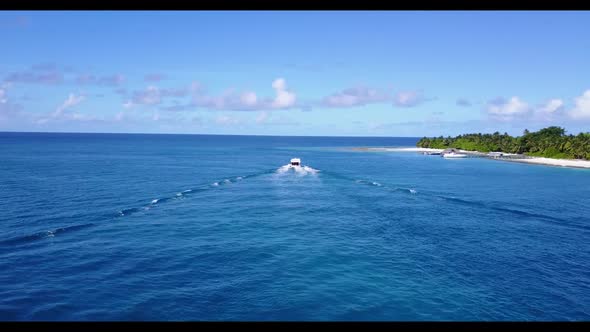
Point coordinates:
pixel 371 236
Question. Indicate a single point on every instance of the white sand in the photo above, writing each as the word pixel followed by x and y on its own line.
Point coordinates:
pixel 556 162
pixel 533 160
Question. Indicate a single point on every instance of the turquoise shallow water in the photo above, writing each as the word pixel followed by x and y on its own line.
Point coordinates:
pixel 181 227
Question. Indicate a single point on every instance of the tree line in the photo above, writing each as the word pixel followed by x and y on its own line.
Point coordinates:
pixel 551 142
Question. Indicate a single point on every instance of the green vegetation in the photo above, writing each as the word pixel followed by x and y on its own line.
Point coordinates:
pixel 551 142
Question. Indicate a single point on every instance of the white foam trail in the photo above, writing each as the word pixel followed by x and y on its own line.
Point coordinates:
pixel 413 191
pixel 155 201
pixel 187 191
pixel 374 183
pixel 283 169
pixel 310 170
pixel 299 170
pixel 239 178
pixel 215 184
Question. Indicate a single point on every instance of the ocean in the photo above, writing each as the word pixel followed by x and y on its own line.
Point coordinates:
pixel 212 228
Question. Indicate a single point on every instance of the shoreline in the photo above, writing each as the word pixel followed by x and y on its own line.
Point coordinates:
pixel 571 163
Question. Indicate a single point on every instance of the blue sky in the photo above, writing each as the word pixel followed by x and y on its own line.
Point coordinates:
pixel 363 73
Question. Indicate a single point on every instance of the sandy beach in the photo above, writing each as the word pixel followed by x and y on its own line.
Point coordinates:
pixel 531 160
pixel 553 162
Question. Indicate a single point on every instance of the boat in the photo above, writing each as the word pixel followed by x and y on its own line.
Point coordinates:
pixel 495 154
pixel 296 166
pixel 454 155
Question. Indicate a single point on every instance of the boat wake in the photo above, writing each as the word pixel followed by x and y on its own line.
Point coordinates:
pixel 426 194
pixel 283 170
pixel 19 240
pixel 299 170
pixel 377 184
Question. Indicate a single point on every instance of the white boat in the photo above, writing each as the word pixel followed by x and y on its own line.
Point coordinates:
pixel 454 155
pixel 295 162
pixel 295 166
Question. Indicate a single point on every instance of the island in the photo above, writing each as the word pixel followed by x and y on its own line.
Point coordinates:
pixel 549 146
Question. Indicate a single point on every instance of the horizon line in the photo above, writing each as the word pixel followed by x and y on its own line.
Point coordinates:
pixel 111 133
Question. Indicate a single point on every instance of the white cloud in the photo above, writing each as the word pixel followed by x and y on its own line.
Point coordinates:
pixel 248 98
pixel 342 100
pixel 152 95
pixel 551 106
pixel 227 101
pixel 582 108
pixel 70 102
pixel 3 99
pixel 408 99
pixel 61 114
pixel 36 77
pixel 501 109
pixel 112 80
pixel 149 96
pixel 360 96
pixel 279 84
pixel 245 101
pixel 284 98
pixel 3 90
pixel 8 110
pixel 357 96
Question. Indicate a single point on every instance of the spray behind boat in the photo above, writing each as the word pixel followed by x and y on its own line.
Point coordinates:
pixel 295 165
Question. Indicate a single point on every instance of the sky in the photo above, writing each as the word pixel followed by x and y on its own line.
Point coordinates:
pixel 319 73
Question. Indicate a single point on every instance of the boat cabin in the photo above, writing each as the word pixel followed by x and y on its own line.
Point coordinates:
pixel 295 162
